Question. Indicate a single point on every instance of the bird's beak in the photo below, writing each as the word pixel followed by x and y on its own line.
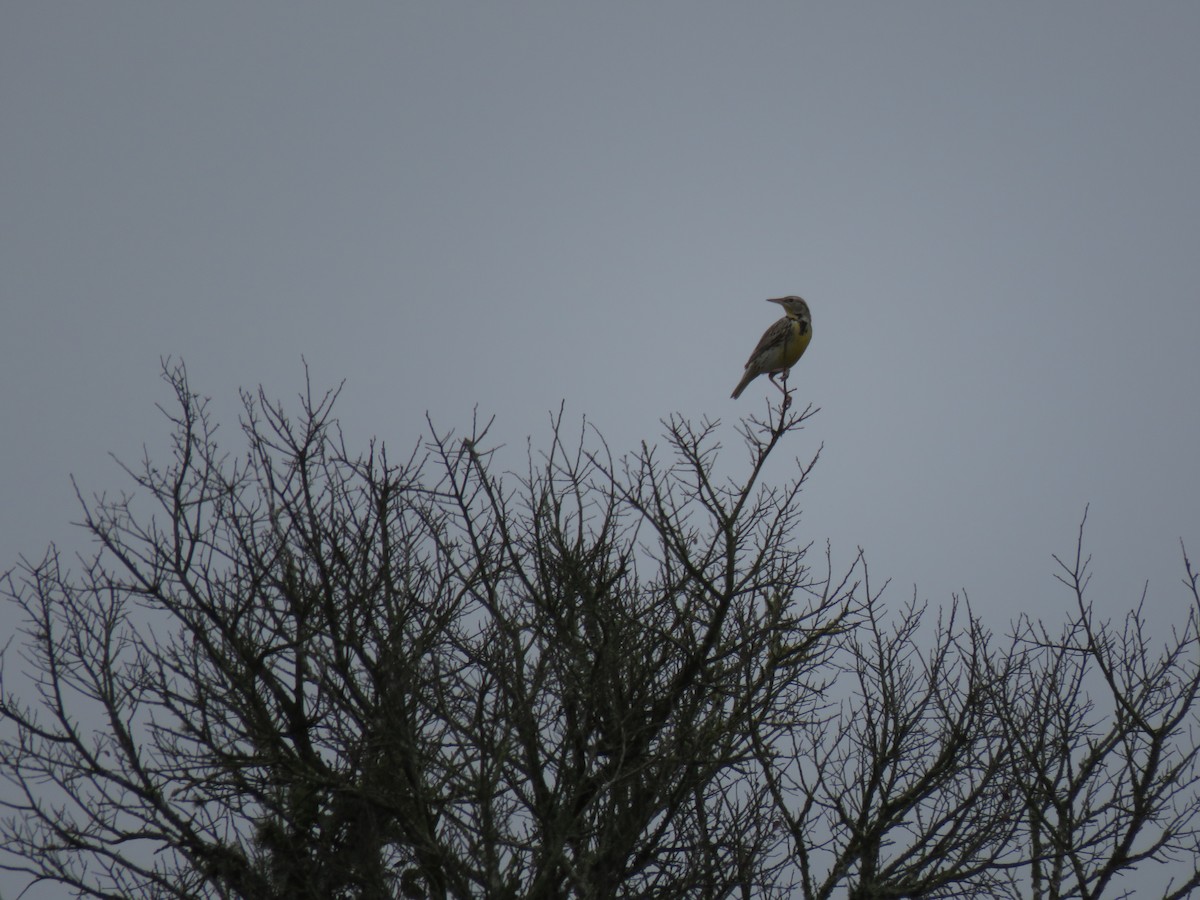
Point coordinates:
pixel 776 299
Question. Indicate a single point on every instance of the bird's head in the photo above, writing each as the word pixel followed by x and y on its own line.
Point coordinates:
pixel 794 307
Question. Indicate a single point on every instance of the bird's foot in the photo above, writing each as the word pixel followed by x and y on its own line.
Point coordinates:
pixel 787 393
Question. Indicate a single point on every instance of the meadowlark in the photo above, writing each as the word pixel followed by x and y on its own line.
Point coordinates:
pixel 781 345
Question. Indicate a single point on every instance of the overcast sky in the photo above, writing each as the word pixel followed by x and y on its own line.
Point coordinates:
pixel 993 210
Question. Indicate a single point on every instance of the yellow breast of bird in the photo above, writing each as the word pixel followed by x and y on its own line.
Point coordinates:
pixel 795 344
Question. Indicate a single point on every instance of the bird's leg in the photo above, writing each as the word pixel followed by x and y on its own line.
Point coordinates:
pixel 782 387
pixel 787 394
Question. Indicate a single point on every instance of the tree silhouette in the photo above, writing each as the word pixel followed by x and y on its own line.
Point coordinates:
pixel 302 672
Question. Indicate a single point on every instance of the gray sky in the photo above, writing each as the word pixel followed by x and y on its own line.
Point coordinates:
pixel 993 209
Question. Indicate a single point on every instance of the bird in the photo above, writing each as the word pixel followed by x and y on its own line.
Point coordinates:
pixel 781 344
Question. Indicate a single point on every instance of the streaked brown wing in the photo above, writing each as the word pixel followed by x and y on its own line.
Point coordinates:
pixel 776 334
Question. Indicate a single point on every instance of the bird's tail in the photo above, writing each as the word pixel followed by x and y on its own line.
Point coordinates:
pixel 746 379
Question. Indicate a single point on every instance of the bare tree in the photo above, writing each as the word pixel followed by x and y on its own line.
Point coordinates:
pixel 1053 766
pixel 1101 724
pixel 905 791
pixel 302 672
pixel 308 674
